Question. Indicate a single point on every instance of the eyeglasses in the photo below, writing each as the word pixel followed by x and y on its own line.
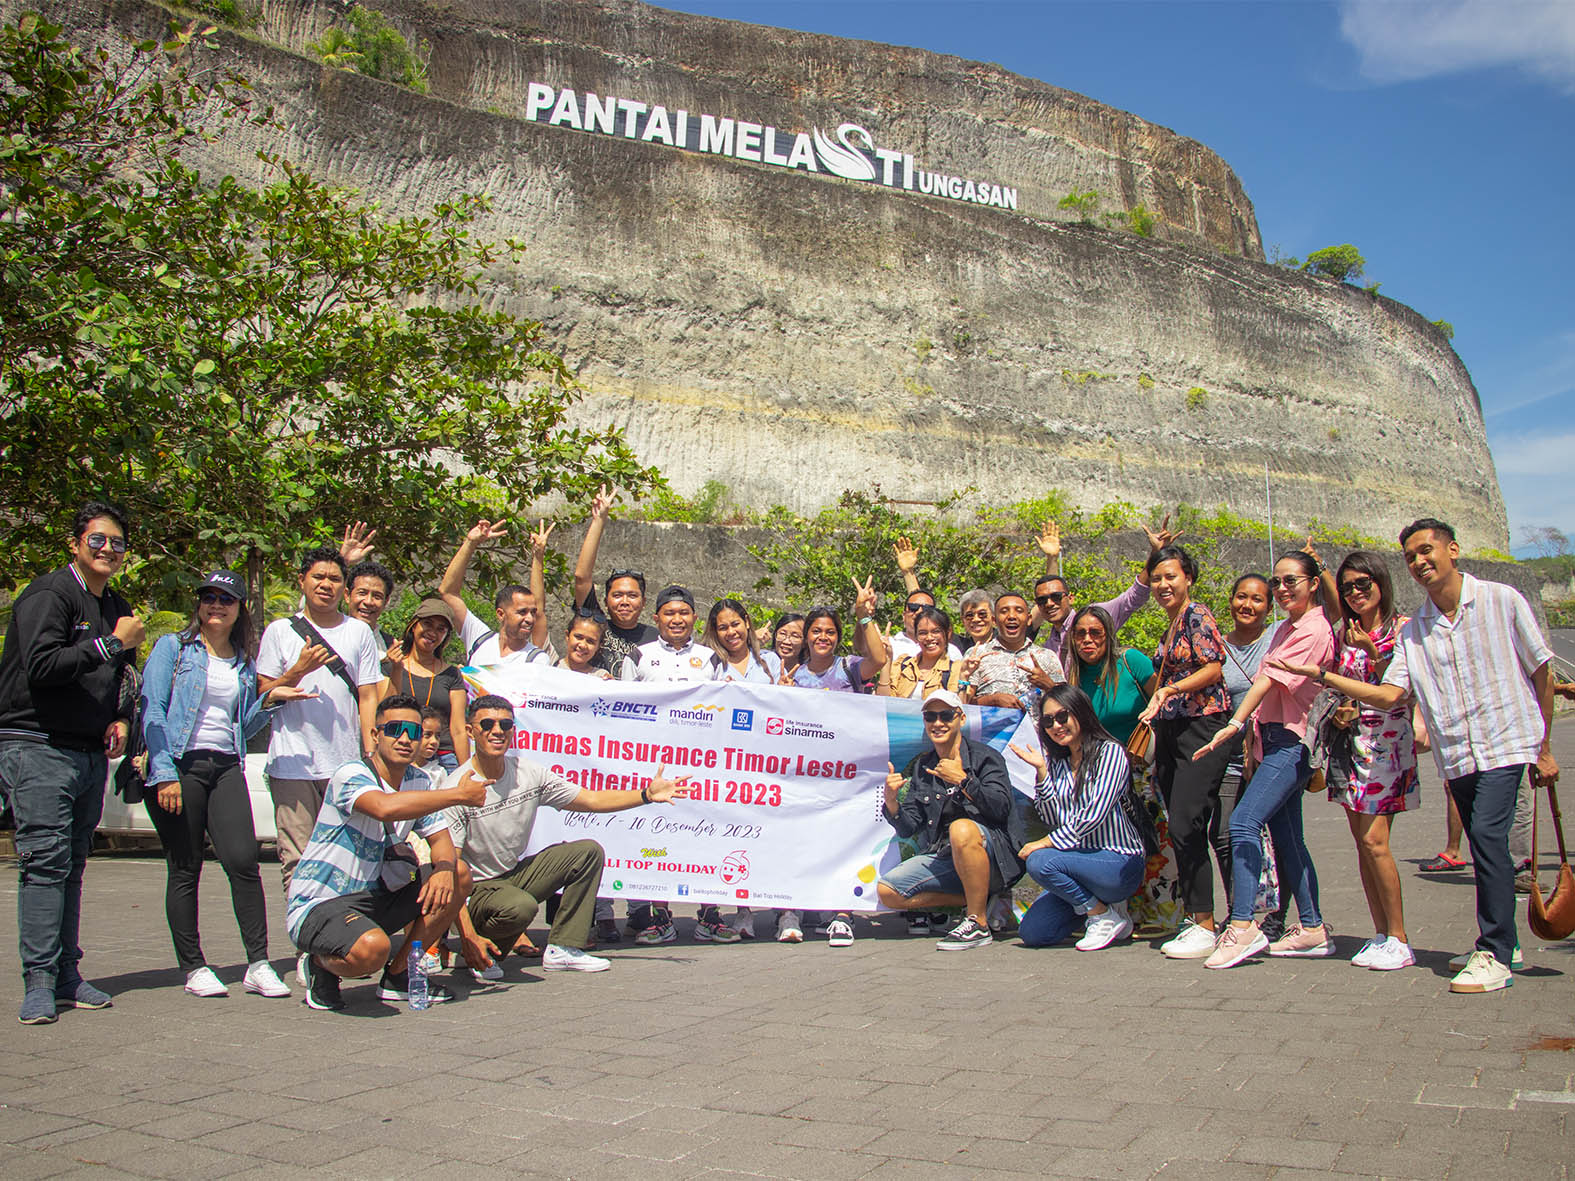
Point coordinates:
pixel 1052 597
pixel 1088 633
pixel 1361 584
pixel 97 541
pixel 410 730
pixel 1288 581
pixel 1061 717
pixel 209 597
pixel 939 715
pixel 502 725
pixel 982 613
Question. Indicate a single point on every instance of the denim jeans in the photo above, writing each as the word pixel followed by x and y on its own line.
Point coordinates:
pixel 1074 879
pixel 57 796
pixel 1274 797
pixel 1486 800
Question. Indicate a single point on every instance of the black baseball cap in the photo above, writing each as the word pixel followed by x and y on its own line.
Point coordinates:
pixel 227 581
pixel 675 594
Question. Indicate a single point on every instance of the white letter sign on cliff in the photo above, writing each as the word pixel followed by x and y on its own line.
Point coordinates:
pixel 850 153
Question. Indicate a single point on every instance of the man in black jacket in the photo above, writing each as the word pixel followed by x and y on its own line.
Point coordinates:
pixel 61 717
pixel 959 810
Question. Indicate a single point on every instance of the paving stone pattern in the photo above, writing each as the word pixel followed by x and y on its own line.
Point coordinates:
pixel 766 1060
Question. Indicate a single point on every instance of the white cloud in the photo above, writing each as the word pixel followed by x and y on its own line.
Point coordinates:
pixel 1534 474
pixel 1404 40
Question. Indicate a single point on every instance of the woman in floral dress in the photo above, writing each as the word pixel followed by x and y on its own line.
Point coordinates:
pixel 1373 773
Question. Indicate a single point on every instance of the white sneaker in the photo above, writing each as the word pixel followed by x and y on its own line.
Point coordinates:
pixel 263 980
pixel 790 927
pixel 492 972
pixel 1516 960
pixel 1391 956
pixel 839 932
pixel 571 959
pixel 1105 928
pixel 301 971
pixel 744 923
pixel 1482 973
pixel 1364 958
pixel 202 982
pixel 1192 942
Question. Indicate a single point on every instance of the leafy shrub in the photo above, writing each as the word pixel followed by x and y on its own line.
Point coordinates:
pixel 1445 327
pixel 1197 398
pixel 373 47
pixel 1084 204
pixel 708 506
pixel 1340 263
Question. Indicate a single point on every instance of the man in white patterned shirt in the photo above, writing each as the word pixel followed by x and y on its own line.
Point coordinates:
pixel 1476 664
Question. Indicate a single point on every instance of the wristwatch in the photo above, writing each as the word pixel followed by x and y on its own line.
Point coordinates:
pixel 113 645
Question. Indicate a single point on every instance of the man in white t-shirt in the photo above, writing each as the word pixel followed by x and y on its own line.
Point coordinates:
pixel 334 657
pixel 493 836
pixel 520 630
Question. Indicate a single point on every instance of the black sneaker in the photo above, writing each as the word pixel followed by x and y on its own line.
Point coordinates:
pixel 1272 926
pixel 639 919
pixel 607 931
pixel 965 936
pixel 322 987
pixel 395 986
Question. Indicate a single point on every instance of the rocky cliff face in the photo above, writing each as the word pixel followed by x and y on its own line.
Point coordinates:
pixel 791 333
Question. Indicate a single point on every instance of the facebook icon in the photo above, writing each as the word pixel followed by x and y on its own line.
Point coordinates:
pixel 743 719
pixel 683 891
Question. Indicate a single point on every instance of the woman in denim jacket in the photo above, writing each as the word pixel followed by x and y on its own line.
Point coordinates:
pixel 199 706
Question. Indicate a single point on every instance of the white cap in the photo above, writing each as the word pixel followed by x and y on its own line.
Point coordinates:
pixel 945 697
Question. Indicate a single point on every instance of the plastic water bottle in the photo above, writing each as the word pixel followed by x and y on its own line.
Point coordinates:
pixel 418 978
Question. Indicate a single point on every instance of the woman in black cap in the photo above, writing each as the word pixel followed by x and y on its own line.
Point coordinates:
pixel 199 706
pixel 424 674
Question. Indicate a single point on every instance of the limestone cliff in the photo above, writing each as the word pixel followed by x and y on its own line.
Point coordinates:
pixel 791 333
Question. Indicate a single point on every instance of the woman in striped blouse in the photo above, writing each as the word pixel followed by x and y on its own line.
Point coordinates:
pixel 1092 858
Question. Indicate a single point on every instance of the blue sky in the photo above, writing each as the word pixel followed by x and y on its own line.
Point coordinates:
pixel 1435 135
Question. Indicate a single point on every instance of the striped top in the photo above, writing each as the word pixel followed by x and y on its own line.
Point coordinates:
pixel 1471 676
pixel 1092 820
pixel 345 854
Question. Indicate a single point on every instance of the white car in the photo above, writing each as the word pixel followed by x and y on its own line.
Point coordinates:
pixel 131 820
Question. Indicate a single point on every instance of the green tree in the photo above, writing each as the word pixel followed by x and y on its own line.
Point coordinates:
pixel 373 47
pixel 1340 263
pixel 1083 203
pixel 245 368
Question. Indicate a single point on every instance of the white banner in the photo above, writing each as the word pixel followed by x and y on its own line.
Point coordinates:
pixel 786 784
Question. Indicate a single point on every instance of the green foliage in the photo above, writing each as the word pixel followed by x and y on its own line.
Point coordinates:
pixel 1334 434
pixel 1197 398
pixel 1085 204
pixel 1145 382
pixel 1490 553
pixel 708 506
pixel 1277 257
pixel 238 14
pixel 922 348
pixel 1445 327
pixel 1139 219
pixel 1561 615
pixel 1077 377
pixel 246 369
pixel 1340 263
pixel 373 47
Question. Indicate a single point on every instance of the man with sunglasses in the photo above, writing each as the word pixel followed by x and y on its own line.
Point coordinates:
pixel 358 883
pixel 63 715
pixel 1054 604
pixel 521 631
pixel 494 832
pixel 623 589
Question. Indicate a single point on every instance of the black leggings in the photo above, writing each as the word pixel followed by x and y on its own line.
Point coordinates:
pixel 1191 792
pixel 215 802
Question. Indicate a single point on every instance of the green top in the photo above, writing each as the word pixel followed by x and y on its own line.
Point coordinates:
pixel 1117 706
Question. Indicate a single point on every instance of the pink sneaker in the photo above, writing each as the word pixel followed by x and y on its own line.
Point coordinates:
pixel 1303 941
pixel 1235 945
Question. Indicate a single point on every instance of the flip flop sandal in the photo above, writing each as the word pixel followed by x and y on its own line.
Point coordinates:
pixel 1443 863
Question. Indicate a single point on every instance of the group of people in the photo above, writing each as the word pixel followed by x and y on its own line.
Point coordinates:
pixel 401 816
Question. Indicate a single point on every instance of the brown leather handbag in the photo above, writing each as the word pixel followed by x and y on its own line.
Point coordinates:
pixel 1555 918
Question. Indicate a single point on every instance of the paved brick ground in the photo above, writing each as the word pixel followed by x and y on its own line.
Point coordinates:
pixel 767 1060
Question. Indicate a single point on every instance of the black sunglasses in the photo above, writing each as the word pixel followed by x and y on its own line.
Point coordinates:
pixel 637 575
pixel 502 724
pixel 210 597
pixel 1361 584
pixel 1061 717
pixel 914 605
pixel 1052 597
pixel 1288 581
pixel 97 541
pixel 939 715
pixel 410 730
